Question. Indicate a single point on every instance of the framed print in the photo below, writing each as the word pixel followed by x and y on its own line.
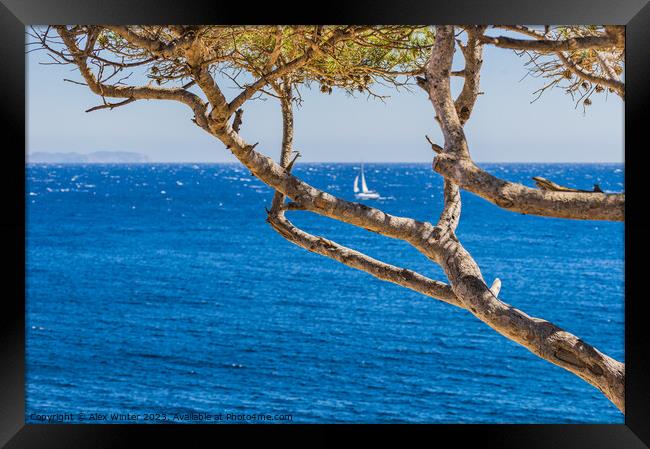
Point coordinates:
pixel 251 222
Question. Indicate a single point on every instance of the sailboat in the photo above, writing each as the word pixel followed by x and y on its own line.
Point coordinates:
pixel 365 193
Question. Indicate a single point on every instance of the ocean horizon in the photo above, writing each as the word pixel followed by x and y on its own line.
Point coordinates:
pixel 299 162
pixel 159 288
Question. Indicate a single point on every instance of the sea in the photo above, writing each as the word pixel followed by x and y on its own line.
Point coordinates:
pixel 158 293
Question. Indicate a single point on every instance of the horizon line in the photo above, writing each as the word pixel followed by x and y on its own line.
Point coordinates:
pixel 315 162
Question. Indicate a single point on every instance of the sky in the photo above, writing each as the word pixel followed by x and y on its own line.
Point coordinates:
pixel 504 127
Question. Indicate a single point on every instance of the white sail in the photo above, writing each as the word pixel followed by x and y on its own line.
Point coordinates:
pixel 365 193
pixel 364 186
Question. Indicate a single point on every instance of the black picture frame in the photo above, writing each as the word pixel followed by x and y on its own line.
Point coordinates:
pixel 16 14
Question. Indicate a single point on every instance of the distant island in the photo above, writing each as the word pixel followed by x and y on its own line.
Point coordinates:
pixel 105 157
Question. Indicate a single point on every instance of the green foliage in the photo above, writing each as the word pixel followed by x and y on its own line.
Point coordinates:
pixel 364 56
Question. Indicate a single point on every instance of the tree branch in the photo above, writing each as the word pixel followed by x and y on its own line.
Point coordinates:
pixel 331 249
pixel 354 259
pixel 315 200
pixel 284 69
pixel 615 34
pixel 437 83
pixel 473 53
pixel 450 216
pixel 614 84
pixel 285 93
pixel 328 248
pixel 111 106
pixel 526 200
pixel 540 337
pixel 154 46
pixel 141 92
pixel 552 46
pixel 455 163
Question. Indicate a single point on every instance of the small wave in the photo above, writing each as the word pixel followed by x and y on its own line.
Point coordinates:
pixel 233 365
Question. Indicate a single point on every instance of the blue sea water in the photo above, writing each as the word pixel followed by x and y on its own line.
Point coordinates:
pixel 160 289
